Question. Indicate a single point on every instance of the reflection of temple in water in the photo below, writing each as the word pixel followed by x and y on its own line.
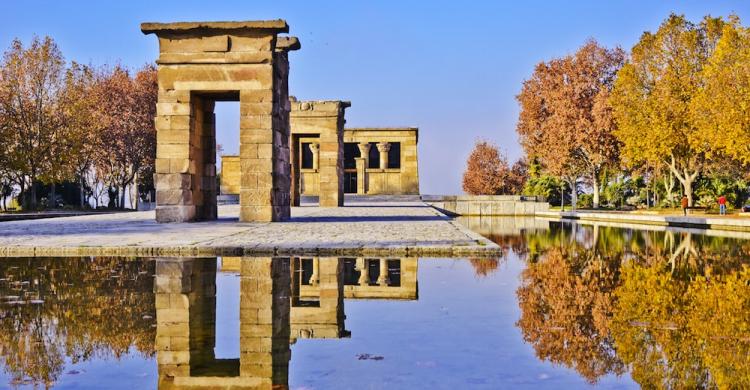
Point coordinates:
pixel 186 325
pixel 366 278
pixel 281 300
pixel 319 286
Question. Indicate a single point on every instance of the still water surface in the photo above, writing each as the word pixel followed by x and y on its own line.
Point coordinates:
pixel 567 306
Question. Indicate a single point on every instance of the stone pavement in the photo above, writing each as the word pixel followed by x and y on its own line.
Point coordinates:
pixel 408 228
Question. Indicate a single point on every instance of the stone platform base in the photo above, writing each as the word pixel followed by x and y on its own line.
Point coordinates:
pixel 369 228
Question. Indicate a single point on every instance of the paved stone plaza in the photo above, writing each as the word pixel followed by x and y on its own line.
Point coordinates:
pixel 408 228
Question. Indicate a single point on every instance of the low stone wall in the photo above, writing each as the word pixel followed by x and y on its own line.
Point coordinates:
pixel 699 222
pixel 486 205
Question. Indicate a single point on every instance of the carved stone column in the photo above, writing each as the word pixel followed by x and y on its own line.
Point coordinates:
pixel 364 277
pixel 315 277
pixel 315 148
pixel 383 148
pixel 364 152
pixel 383 277
pixel 362 164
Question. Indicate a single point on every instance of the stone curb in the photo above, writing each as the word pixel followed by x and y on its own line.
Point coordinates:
pixel 717 223
pixel 206 251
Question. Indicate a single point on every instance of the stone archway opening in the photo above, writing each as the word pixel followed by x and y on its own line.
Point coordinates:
pixel 199 64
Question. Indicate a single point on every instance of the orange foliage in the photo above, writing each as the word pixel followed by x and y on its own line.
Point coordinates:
pixel 486 172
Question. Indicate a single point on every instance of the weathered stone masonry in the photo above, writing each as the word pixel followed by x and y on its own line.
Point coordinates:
pixel 318 126
pixel 185 293
pixel 204 62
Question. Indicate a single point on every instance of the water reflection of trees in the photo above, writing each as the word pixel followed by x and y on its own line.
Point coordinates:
pixel 75 309
pixel 508 243
pixel 565 301
pixel 673 308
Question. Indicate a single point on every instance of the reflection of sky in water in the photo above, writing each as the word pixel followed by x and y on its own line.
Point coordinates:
pixel 461 333
pixel 227 315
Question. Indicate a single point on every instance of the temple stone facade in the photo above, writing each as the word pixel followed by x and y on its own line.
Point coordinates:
pixel 381 278
pixel 317 150
pixel 381 161
pixel 317 304
pixel 204 62
pixel 375 161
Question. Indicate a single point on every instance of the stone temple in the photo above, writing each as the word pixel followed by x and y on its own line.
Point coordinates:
pixel 287 148
pixel 329 160
pixel 199 64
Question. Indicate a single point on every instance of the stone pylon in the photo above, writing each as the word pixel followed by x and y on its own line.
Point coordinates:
pixel 321 122
pixel 204 62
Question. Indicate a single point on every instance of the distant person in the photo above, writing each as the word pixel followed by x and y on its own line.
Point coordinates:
pixel 684 204
pixel 722 205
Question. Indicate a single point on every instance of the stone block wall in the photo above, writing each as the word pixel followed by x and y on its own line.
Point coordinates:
pixel 230 174
pixel 489 205
pixel 384 180
pixel 322 124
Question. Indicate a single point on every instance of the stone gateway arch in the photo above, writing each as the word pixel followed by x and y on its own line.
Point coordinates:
pixel 199 64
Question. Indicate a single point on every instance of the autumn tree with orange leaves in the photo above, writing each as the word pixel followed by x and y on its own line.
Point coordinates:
pixel 487 171
pixel 63 122
pixel 127 144
pixel 566 121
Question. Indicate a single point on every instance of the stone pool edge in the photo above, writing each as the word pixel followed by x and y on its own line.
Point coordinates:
pixel 716 223
pixel 478 250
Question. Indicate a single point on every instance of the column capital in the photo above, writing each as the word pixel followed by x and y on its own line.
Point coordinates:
pixel 364 149
pixel 314 146
pixel 384 147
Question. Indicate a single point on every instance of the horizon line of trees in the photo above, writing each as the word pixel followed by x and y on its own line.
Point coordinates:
pixel 63 123
pixel 626 128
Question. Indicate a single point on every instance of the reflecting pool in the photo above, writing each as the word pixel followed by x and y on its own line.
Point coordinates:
pixel 567 306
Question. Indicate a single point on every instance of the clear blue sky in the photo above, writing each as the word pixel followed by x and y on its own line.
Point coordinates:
pixel 450 68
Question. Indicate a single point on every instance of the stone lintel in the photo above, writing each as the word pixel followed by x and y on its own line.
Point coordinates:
pixel 350 131
pixel 317 108
pixel 287 43
pixel 275 26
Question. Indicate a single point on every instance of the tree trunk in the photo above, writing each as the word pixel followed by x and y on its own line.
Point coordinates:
pixel 668 186
pixel 685 178
pixel 134 195
pixel 573 193
pixel 596 193
pixel 82 197
pixel 687 185
pixel 562 198
pixel 52 203
pixel 122 197
pixel 32 201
